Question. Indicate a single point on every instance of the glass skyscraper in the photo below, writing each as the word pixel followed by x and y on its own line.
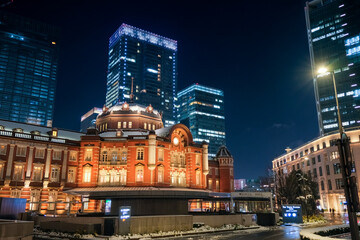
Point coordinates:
pixel 28 67
pixel 201 109
pixel 333 28
pixel 89 119
pixel 151 61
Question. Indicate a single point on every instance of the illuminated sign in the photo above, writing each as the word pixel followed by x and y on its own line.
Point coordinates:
pixel 125 213
pixel 107 206
pixel 292 213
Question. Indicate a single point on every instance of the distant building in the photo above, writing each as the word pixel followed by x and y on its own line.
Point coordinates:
pixel 151 61
pixel 320 159
pixel 239 184
pixel 28 69
pixel 334 42
pixel 89 119
pixel 202 110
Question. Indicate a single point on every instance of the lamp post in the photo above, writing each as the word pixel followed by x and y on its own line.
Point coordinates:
pixel 346 163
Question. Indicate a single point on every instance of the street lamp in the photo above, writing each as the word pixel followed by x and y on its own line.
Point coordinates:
pixel 346 163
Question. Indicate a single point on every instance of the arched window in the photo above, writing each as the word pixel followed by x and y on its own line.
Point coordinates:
pixel 104 156
pixel 124 156
pixel 87 174
pixel 160 174
pixel 182 179
pixel 174 178
pixel 182 160
pixel 102 176
pixel 139 170
pixel 113 176
pixel 114 155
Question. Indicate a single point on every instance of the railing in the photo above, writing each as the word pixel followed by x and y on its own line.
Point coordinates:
pixel 32 136
pixel 117 162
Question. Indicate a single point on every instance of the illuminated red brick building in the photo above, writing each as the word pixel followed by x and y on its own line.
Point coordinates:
pixel 130 159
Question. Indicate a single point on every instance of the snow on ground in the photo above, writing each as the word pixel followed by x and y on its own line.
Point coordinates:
pixel 309 232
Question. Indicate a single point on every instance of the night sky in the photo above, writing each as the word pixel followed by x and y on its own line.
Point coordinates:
pixel 256 51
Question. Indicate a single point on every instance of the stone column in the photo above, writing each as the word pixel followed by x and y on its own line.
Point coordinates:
pixel 152 155
pixel 10 162
pixel 29 163
pixel 205 158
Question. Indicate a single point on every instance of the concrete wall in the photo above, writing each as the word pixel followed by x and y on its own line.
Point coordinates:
pixel 219 220
pixel 11 230
pixel 149 224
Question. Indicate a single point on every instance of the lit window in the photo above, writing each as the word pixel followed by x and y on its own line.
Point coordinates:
pixel 18 173
pixel 198 177
pixel 119 125
pixel 73 156
pixel 140 154
pixel 87 174
pixel 139 173
pixel 160 155
pixel 123 173
pixel 160 174
pixel 71 175
pixel 104 156
pixel 88 154
pixel 37 173
pixel 34 200
pixel 145 125
pixel 54 174
pixel 52 199
pixel 198 161
pixel 153 127
pixel 130 124
pixel 2 171
pixel 3 149
pixel 124 124
pixel 210 184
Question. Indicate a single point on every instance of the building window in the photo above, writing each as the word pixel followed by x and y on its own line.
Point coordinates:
pixel 298 166
pixel 54 174
pixel 160 174
pixel 18 173
pixel 322 185
pixel 130 124
pixel 104 156
pixel 197 160
pixel 337 169
pixel 320 171
pixel 140 154
pixel 124 156
pixel 161 155
pixel 2 171
pixel 182 160
pixel 210 184
pixel 40 153
pixel 37 173
pixel 139 173
pixel 88 154
pixel 319 158
pixel 315 173
pixel 114 156
pixel 216 172
pixel 334 155
pixel 153 127
pixel 327 170
pixel 71 175
pixel 3 149
pixel 21 151
pixel 182 179
pixel 15 193
pixel 119 125
pixel 57 155
pixel 73 156
pixel 174 178
pixel 339 183
pixel 52 200
pixel 145 126
pixel 329 184
pixel 217 185
pixel 123 174
pixel 308 163
pixel 34 200
pixel 87 174
pixel 198 177
pixel 124 124
pixel 313 160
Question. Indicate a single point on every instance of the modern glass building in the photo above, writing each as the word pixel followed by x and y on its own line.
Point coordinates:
pixel 151 61
pixel 89 119
pixel 28 68
pixel 201 109
pixel 333 28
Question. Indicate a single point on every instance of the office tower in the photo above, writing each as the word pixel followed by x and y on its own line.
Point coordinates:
pixel 89 119
pixel 333 29
pixel 150 61
pixel 28 68
pixel 202 110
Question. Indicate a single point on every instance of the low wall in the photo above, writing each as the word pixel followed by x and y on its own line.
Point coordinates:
pixel 150 224
pixel 14 230
pixel 219 220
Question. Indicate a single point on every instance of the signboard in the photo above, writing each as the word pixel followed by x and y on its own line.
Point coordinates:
pixel 292 213
pixel 124 220
pixel 107 206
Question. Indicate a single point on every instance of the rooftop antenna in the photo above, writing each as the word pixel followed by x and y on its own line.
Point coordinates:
pixel 132 90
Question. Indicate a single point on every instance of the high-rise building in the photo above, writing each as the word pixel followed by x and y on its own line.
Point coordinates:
pixel 333 29
pixel 28 68
pixel 89 119
pixel 151 61
pixel 202 110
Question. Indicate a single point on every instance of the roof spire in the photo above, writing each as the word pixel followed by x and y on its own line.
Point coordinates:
pixel 132 90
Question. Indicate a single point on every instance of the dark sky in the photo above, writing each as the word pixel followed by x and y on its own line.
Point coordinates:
pixel 256 51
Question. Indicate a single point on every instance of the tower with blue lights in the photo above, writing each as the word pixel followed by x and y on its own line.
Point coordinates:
pixel 201 109
pixel 150 61
pixel 28 69
pixel 333 29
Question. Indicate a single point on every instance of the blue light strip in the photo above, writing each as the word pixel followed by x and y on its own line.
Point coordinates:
pixel 200 88
pixel 143 35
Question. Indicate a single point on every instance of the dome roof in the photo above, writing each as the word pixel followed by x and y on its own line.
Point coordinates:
pixel 128 108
